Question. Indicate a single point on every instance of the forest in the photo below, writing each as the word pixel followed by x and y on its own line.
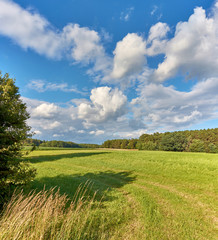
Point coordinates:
pixel 205 140
pixel 58 144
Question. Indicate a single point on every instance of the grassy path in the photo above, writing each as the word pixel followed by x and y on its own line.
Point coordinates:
pixel 147 195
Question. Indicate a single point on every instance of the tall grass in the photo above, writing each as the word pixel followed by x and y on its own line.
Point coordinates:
pixel 50 215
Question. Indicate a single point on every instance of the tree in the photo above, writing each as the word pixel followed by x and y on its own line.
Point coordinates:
pixel 175 141
pixel 13 131
pixel 197 146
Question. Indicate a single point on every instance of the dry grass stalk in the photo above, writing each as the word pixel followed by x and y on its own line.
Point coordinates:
pixel 49 215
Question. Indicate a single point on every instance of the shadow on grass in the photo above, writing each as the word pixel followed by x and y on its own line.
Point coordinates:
pixel 102 182
pixel 50 158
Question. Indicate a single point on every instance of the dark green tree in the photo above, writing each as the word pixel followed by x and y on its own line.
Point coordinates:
pixel 197 145
pixel 174 141
pixel 13 131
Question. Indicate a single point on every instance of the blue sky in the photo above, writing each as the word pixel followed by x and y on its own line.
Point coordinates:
pixel 92 70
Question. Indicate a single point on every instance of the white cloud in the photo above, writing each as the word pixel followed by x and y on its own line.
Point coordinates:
pixel 157 38
pixel 81 131
pixel 97 132
pixel 51 125
pixel 156 12
pixel 57 135
pixel 86 43
pixel 169 109
pixel 193 116
pixel 129 56
pixel 194 49
pixel 154 9
pixel 36 132
pixel 29 30
pixel 130 134
pixel 106 104
pixel 43 86
pixel 32 31
pixel 125 15
pixel 45 110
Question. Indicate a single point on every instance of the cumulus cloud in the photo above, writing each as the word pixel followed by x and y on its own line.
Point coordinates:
pixel 106 104
pixel 129 56
pixel 51 125
pixel 46 110
pixel 165 107
pixel 30 30
pixel 97 132
pixel 85 43
pixel 157 39
pixel 36 132
pixel 193 50
pixel 83 121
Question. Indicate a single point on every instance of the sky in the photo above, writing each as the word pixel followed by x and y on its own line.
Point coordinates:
pixel 92 70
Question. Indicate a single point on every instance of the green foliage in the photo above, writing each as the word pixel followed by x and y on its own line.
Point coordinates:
pixel 197 146
pixel 212 148
pixel 57 144
pixel 175 141
pixel 13 131
pixel 207 141
pixel 60 144
pixel 149 146
pixel 120 144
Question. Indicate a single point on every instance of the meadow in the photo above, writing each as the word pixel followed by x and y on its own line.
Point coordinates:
pixel 137 194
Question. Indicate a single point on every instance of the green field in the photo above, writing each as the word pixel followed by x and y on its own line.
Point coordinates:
pixel 146 195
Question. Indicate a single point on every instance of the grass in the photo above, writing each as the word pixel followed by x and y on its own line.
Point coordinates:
pixel 146 195
pixel 49 215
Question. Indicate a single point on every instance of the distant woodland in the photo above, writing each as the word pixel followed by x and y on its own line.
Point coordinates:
pixel 59 144
pixel 182 141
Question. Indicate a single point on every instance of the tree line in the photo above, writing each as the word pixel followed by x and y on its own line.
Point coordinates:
pixel 205 140
pixel 55 143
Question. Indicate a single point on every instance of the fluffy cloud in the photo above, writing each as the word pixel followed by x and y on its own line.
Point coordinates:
pixel 90 121
pixel 51 125
pixel 129 56
pixel 157 39
pixel 97 132
pixel 106 104
pixel 165 108
pixel 31 30
pixel 193 50
pixel 45 110
pixel 86 43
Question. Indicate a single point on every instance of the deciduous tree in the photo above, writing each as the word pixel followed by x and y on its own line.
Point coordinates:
pixel 13 131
